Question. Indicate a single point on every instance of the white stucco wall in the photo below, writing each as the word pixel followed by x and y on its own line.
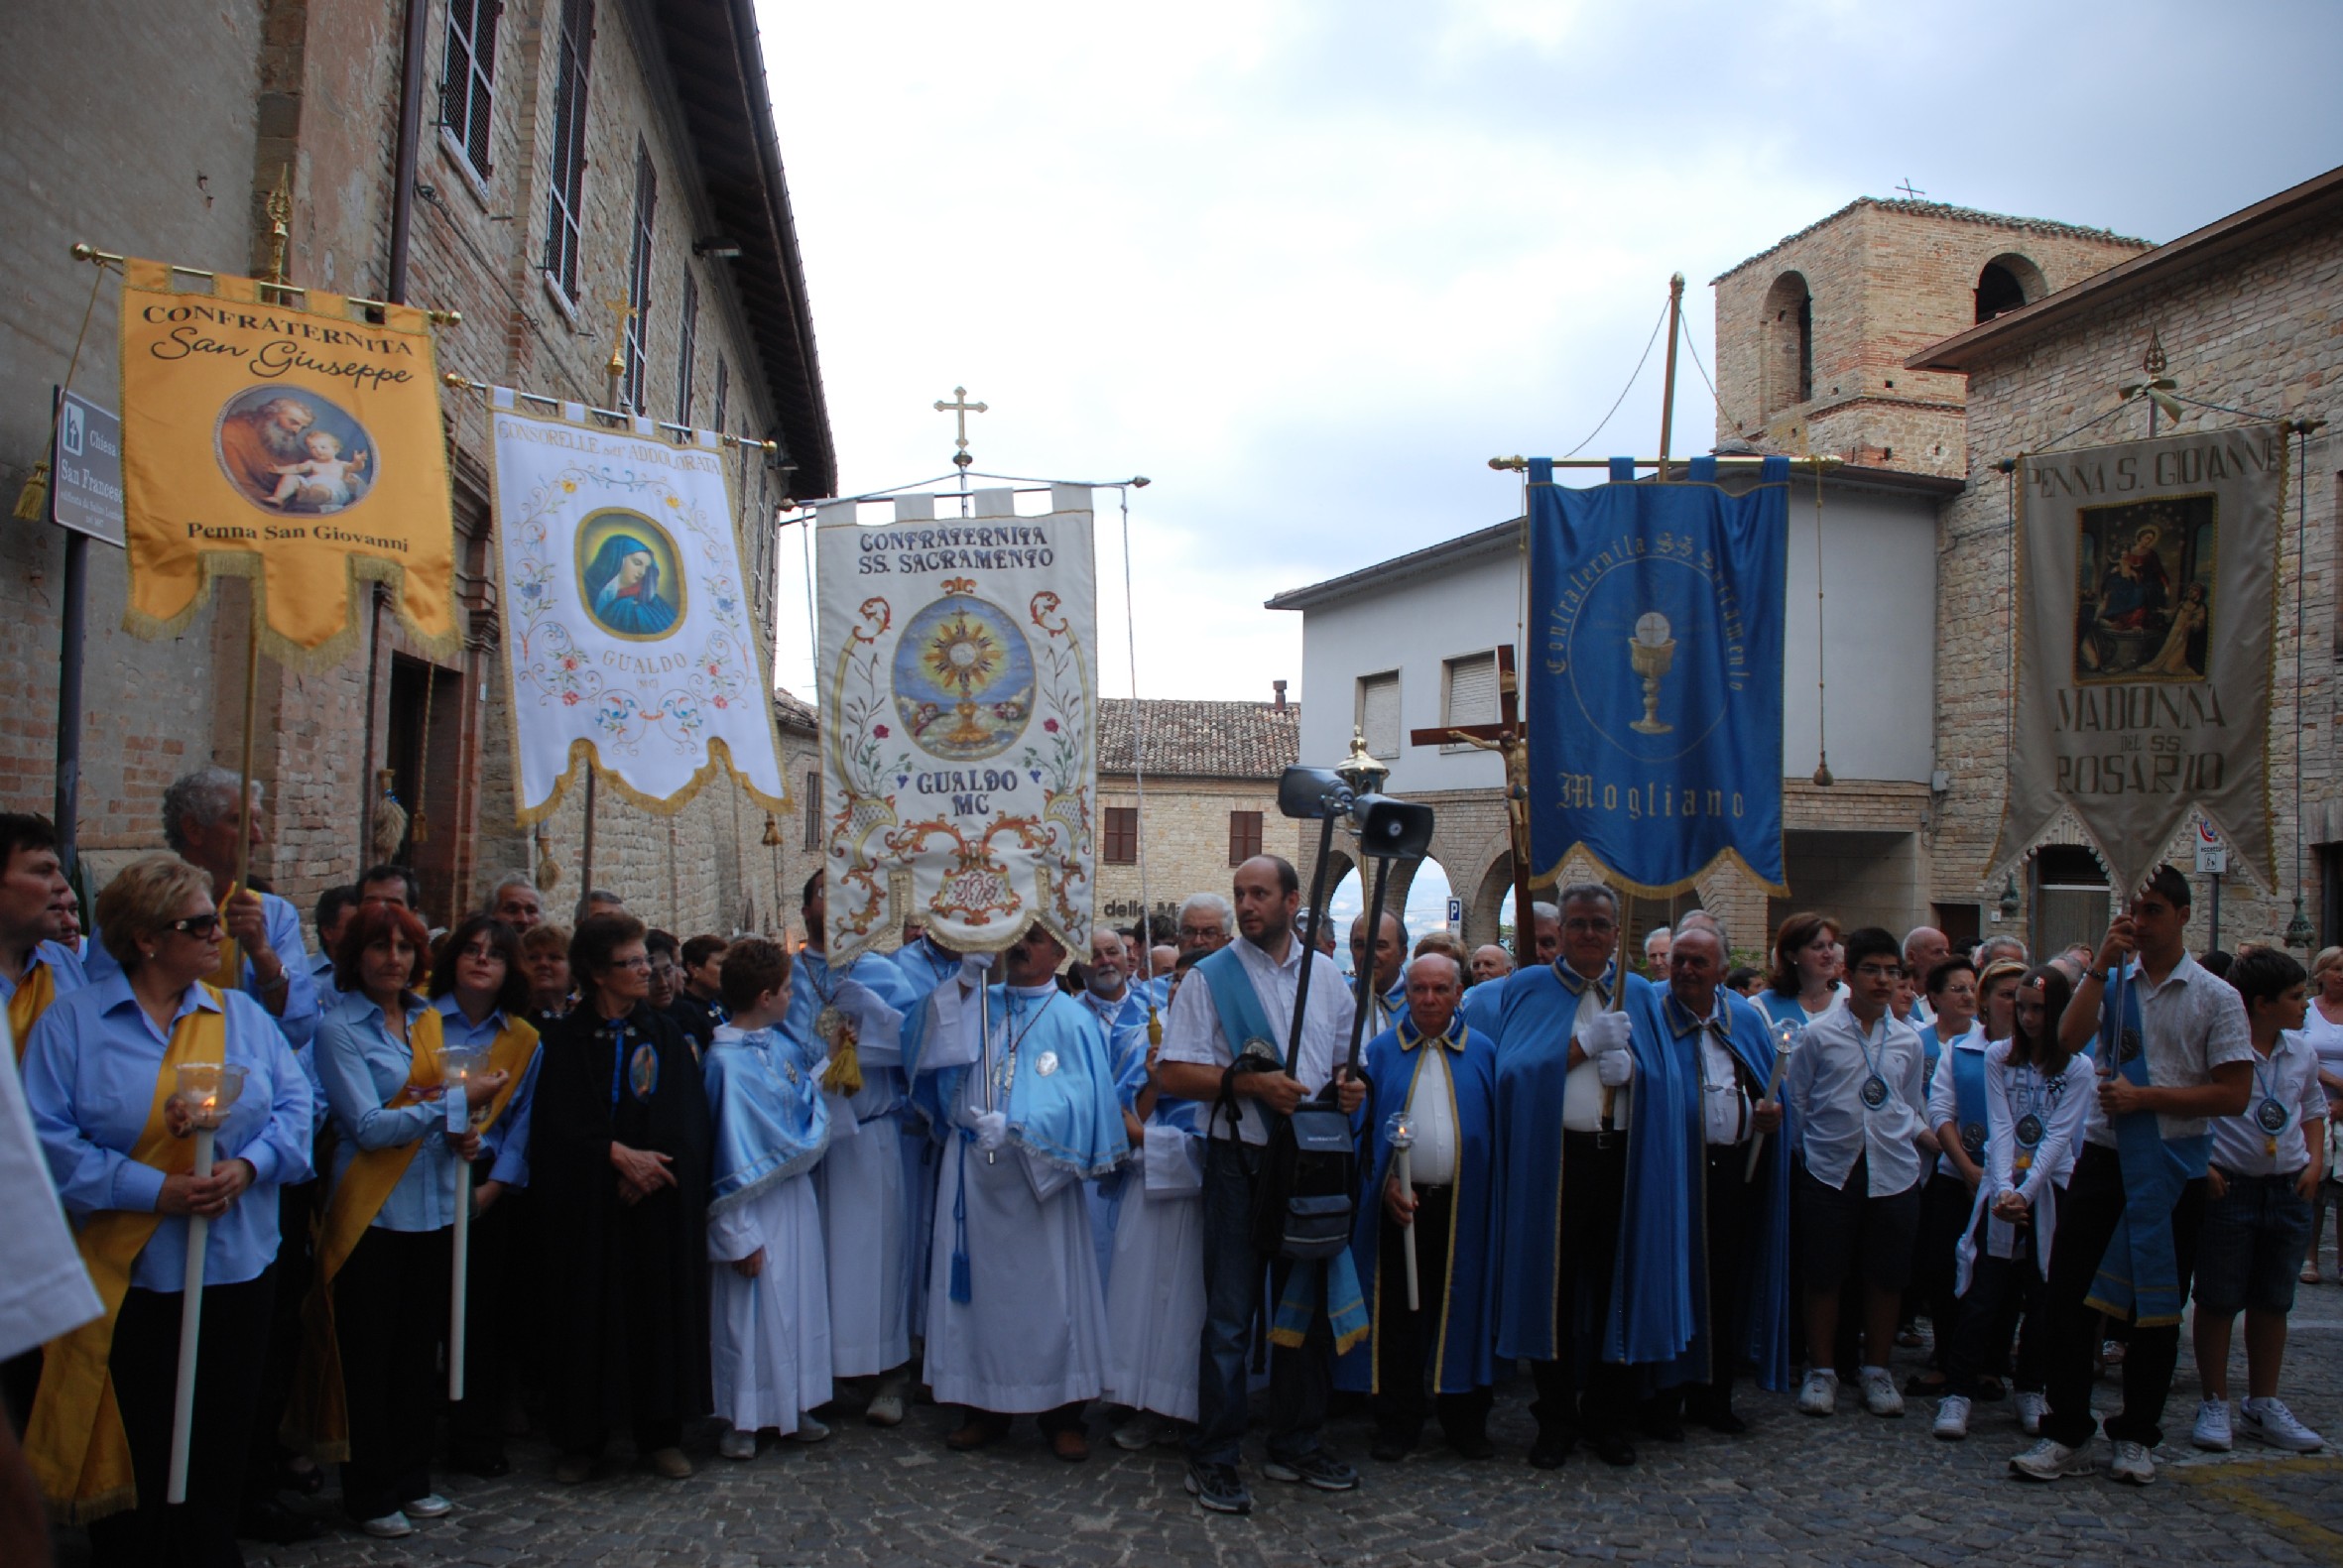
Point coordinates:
pixel 1879 570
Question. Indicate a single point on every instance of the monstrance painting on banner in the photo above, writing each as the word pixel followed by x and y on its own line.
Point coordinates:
pixel 628 634
pixel 959 704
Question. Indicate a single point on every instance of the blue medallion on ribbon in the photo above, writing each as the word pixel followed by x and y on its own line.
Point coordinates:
pixel 1654 674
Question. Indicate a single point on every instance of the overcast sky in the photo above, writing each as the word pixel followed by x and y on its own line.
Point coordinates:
pixel 1309 265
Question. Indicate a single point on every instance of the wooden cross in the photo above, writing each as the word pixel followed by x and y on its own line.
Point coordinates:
pixel 1509 738
pixel 1910 195
pixel 960 408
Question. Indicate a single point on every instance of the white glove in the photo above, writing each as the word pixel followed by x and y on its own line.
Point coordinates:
pixel 1614 1068
pixel 972 968
pixel 1607 1033
pixel 992 1131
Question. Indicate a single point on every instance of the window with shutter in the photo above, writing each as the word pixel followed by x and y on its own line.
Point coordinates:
pixel 1379 713
pixel 814 809
pixel 468 81
pixel 638 330
pixel 1244 836
pixel 1121 835
pixel 567 200
pixel 684 352
pixel 1471 694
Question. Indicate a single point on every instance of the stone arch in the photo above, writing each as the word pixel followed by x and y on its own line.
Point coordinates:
pixel 2007 283
pixel 1786 328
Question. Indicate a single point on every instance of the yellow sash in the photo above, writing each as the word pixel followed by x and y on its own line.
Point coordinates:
pixel 318 1418
pixel 31 1000
pixel 76 1440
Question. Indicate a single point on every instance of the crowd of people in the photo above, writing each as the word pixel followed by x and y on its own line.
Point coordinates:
pixel 1162 1179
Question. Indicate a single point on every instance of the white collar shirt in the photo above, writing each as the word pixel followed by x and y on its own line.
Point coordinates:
pixel 1192 1033
pixel 1825 1082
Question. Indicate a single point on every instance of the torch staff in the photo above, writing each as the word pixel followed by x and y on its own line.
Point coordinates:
pixel 1784 1033
pixel 1403 1138
pixel 457 1065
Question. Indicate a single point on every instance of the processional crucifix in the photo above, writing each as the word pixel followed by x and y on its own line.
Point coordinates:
pixel 1508 739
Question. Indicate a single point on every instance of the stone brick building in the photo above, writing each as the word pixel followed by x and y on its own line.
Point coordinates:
pixel 2247 310
pixel 524 164
pixel 1210 771
pixel 1814 332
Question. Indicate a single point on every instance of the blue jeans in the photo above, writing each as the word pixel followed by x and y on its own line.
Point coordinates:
pixel 1301 1379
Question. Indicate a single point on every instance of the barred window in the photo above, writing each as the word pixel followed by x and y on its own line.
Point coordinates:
pixel 1121 842
pixel 566 211
pixel 467 86
pixel 1244 836
pixel 638 333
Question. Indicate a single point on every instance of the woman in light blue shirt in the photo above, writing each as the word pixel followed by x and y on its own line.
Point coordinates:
pixel 91 1073
pixel 389 1291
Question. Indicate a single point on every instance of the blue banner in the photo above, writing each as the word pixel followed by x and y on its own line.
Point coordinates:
pixel 1653 682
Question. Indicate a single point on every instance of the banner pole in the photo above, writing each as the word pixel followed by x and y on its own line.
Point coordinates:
pixel 1675 320
pixel 251 708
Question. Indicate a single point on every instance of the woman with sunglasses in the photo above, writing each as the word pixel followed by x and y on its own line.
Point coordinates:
pixel 380 1304
pixel 101 1077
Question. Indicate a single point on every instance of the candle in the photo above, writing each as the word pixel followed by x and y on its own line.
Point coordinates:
pixel 206 1090
pixel 457 1064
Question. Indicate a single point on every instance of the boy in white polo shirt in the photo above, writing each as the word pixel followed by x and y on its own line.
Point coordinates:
pixel 2258 1210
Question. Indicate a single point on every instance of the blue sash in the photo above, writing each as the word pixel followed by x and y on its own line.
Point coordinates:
pixel 1968 1096
pixel 2140 1275
pixel 1242 1017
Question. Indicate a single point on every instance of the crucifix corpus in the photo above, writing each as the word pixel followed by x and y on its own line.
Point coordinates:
pixel 1509 740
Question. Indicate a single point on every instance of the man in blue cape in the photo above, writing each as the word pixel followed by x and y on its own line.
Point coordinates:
pixel 923 963
pixel 1484 1004
pixel 1108 991
pixel 1565 1138
pixel 1390 1001
pixel 1712 1057
pixel 1436 1076
pixel 1018 1080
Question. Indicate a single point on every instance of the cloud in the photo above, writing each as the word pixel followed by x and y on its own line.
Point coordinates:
pixel 1309 265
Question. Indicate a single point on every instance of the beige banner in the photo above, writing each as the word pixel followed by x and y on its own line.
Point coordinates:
pixel 2144 641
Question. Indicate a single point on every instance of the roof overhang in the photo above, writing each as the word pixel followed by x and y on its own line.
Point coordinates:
pixel 718 67
pixel 2311 200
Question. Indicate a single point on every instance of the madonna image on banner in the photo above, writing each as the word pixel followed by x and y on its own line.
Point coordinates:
pixel 628 576
pixel 293 451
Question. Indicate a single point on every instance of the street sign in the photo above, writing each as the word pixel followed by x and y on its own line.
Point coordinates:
pixel 1455 912
pixel 85 470
pixel 2212 856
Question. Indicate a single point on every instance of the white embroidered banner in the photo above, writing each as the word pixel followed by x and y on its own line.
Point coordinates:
pixel 627 628
pixel 958 722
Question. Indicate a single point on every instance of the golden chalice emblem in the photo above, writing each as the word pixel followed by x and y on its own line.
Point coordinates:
pixel 1651 650
pixel 965 655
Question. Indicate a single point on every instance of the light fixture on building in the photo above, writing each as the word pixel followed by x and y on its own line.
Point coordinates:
pixel 772 836
pixel 2298 933
pixel 1360 769
pixel 2009 904
pixel 718 246
pixel 2157 388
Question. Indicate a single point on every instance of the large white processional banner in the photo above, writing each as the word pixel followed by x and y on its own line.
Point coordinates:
pixel 958 722
pixel 627 629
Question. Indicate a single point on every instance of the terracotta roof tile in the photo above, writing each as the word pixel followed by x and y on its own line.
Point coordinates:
pixel 1200 740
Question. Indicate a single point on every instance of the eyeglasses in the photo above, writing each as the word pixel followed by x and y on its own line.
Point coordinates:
pixel 195 926
pixel 1199 932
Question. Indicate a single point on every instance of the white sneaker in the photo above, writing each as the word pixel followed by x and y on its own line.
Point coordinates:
pixel 809 1430
pixel 1878 1391
pixel 737 1444
pixel 430 1505
pixel 1820 1395
pixel 2211 1430
pixel 390 1527
pixel 2029 1408
pixel 1143 1430
pixel 886 1410
pixel 2131 1464
pixel 2270 1422
pixel 1952 1418
pixel 2050 1459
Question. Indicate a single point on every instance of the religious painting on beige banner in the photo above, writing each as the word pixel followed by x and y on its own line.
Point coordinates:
pixel 2144 607
pixel 293 452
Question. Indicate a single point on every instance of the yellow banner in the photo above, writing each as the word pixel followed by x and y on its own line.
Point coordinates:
pixel 286 438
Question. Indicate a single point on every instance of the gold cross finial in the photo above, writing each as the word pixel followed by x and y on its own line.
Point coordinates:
pixel 960 408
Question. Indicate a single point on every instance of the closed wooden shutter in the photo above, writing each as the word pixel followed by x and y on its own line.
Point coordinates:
pixel 1379 713
pixel 1121 835
pixel 1244 836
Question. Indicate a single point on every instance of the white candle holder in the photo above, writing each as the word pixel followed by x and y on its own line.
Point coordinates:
pixel 207 1091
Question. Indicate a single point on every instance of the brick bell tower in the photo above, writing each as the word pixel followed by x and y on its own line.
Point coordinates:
pixel 1811 334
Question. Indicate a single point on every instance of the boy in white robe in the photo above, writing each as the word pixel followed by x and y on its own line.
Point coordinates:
pixel 769 1309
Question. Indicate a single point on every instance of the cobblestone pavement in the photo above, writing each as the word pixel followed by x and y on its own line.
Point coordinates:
pixel 1852 1489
